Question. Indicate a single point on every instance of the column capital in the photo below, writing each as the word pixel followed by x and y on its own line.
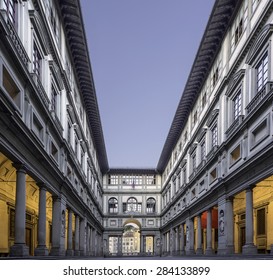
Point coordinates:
pixel 19 166
pixel 250 187
pixel 41 185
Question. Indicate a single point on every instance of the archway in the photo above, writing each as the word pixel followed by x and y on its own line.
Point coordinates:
pixel 131 237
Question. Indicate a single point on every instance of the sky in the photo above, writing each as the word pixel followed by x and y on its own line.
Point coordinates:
pixel 141 54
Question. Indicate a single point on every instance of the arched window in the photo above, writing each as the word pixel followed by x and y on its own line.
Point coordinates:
pixel 113 205
pixel 131 204
pixel 150 205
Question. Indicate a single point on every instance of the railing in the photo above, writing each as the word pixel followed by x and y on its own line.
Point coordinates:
pixel 259 97
pixel 15 40
pixel 40 89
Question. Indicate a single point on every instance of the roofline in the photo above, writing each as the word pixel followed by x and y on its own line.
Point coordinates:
pixel 76 39
pixel 131 171
pixel 218 23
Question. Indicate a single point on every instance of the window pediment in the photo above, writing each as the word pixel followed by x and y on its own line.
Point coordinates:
pixel 259 43
pixel 234 82
pixel 212 117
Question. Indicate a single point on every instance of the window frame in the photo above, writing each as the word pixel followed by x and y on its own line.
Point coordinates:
pixel 151 205
pixel 112 205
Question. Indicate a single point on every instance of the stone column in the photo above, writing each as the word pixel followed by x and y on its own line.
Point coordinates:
pixel 77 236
pixel 229 226
pixel 177 241
pixel 87 240
pixel 19 248
pixel 172 242
pixel 58 227
pixel 83 237
pixel 182 240
pixel 120 245
pixel 209 233
pixel 199 250
pixel 41 249
pixel 189 237
pixel 69 251
pixel 91 242
pixel 142 244
pixel 249 247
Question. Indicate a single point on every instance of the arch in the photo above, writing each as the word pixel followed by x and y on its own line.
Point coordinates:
pixel 113 205
pixel 150 205
pixel 132 204
pixel 132 221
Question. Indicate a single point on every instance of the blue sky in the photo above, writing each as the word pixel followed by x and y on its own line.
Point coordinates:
pixel 141 53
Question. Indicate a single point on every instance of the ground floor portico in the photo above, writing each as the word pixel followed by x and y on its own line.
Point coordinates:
pixel 238 224
pixel 38 220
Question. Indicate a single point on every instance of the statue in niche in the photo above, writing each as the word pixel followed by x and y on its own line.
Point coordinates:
pixel 222 222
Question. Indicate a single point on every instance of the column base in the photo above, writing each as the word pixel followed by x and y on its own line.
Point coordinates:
pixel 41 251
pixel 82 253
pixel 69 252
pixel 190 252
pixel 19 250
pixel 77 253
pixel 199 251
pixel 249 249
pixel 57 252
pixel 209 251
pixel 229 250
pixel 182 252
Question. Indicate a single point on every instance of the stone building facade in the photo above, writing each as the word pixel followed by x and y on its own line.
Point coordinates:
pixel 212 190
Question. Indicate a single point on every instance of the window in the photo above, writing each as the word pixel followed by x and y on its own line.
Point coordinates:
pixel 54 152
pixel 132 179
pixel 215 77
pixel 82 157
pixel 213 175
pixel 184 175
pixel 203 149
pixel 150 205
pixel 204 100
pixel 261 230
pixel 193 160
pixel 214 136
pixel 69 129
pixel 237 105
pixel 132 205
pixel 151 180
pixel 9 6
pixel 186 136
pixel 54 100
pixel 235 155
pixel 11 88
pixel 53 18
pixel 36 61
pixel 37 127
pixel 113 205
pixel 239 26
pixel 260 132
pixel 194 120
pixel 262 72
pixel 113 179
pixel 11 223
pixel 216 71
pixel 76 147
